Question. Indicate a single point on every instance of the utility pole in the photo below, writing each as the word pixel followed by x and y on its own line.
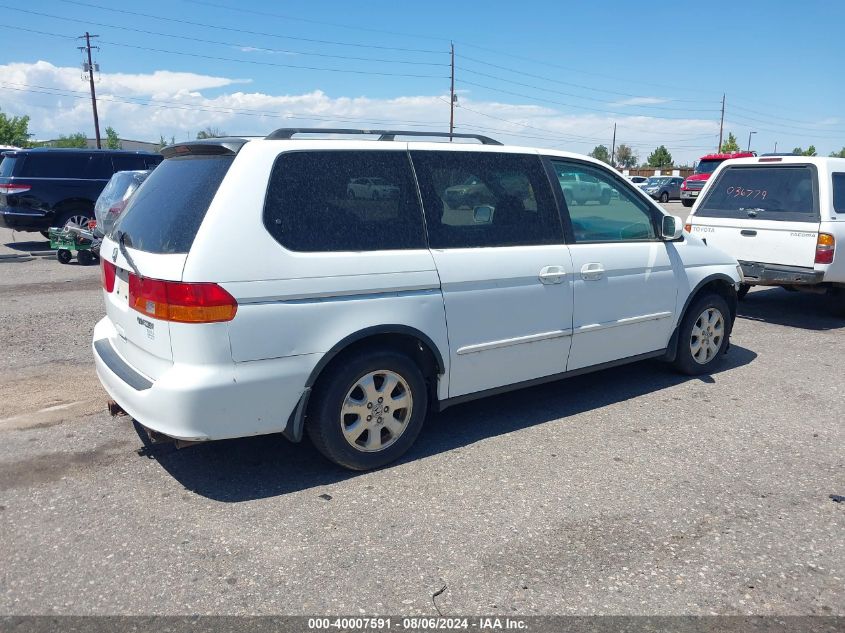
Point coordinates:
pixel 452 96
pixel 776 147
pixel 90 69
pixel 721 124
pixel 613 148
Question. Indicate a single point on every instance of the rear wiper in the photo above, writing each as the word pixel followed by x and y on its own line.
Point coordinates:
pixel 121 236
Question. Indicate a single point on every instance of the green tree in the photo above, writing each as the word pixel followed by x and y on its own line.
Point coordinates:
pixel 625 157
pixel 112 139
pixel 600 153
pixel 74 140
pixel 810 151
pixel 839 154
pixel 210 132
pixel 660 157
pixel 14 130
pixel 730 145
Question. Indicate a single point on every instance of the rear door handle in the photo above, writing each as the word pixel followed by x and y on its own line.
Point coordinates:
pixel 748 233
pixel 592 271
pixel 552 274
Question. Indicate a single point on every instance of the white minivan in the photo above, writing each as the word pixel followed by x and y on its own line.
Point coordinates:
pixel 781 217
pixel 248 293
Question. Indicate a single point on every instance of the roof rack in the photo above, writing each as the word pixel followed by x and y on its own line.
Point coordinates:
pixel 383 135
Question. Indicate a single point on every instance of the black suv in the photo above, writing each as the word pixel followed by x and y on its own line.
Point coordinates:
pixel 45 187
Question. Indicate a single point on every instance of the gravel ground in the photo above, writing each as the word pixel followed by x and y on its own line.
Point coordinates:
pixel 629 491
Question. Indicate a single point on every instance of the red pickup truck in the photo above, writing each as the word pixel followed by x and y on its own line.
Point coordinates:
pixel 693 185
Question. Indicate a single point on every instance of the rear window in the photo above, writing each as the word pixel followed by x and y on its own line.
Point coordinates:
pixel 7 167
pixel 165 213
pixel 344 201
pixel 785 193
pixel 838 192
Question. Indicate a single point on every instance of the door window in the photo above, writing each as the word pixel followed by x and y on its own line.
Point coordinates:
pixel 478 199
pixel 602 208
pixel 319 201
pixel 838 192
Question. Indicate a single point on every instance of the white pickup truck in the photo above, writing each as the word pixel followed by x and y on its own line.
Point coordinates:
pixel 582 188
pixel 782 218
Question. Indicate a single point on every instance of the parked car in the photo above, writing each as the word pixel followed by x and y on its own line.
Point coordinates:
pixel 637 180
pixel 663 188
pixel 45 187
pixel 350 320
pixel 782 218
pixel 116 194
pixel 581 188
pixel 706 165
pixel 371 189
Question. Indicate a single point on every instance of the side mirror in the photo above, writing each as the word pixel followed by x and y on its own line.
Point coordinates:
pixel 482 214
pixel 671 227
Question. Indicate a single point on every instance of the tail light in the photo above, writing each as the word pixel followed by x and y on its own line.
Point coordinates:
pixel 825 247
pixel 117 208
pixel 14 188
pixel 181 302
pixel 107 274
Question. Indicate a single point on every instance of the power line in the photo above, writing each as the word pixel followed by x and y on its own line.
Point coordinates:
pixel 219 42
pixel 248 32
pixel 231 59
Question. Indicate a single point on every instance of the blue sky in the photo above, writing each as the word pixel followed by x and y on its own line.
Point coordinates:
pixel 553 74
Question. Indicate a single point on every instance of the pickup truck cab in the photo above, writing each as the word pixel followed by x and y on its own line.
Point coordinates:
pixel 580 188
pixel 781 218
pixel 692 186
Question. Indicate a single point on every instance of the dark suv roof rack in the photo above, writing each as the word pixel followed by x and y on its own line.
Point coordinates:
pixel 383 135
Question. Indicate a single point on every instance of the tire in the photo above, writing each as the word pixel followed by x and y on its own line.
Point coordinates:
pixel 337 436
pixel 836 298
pixel 605 198
pixel 687 203
pixel 702 315
pixel 75 216
pixel 64 256
pixel 567 197
pixel 743 290
pixel 664 197
pixel 85 258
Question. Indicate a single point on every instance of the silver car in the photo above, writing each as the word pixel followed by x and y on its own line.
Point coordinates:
pixel 663 188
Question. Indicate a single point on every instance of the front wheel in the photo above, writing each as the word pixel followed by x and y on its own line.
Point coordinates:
pixel 704 334
pixel 664 197
pixel 368 409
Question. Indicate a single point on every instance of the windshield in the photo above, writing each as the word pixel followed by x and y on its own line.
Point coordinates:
pixel 708 166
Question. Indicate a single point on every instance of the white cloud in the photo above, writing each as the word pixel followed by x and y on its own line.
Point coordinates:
pixel 635 101
pixel 186 109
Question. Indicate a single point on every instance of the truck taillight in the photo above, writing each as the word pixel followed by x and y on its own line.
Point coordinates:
pixel 825 247
pixel 181 302
pixel 107 274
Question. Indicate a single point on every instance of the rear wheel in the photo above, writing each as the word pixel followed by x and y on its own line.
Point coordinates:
pixel 687 203
pixel 75 217
pixel 85 258
pixel 605 197
pixel 64 256
pixel 703 336
pixel 368 409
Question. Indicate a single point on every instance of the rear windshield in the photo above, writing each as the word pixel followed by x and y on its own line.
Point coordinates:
pixel 838 192
pixel 782 193
pixel 165 213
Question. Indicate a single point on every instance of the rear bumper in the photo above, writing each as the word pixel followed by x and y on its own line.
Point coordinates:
pixel 757 274
pixel 204 402
pixel 690 194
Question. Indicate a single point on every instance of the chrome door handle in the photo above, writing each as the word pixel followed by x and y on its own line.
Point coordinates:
pixel 551 274
pixel 592 271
